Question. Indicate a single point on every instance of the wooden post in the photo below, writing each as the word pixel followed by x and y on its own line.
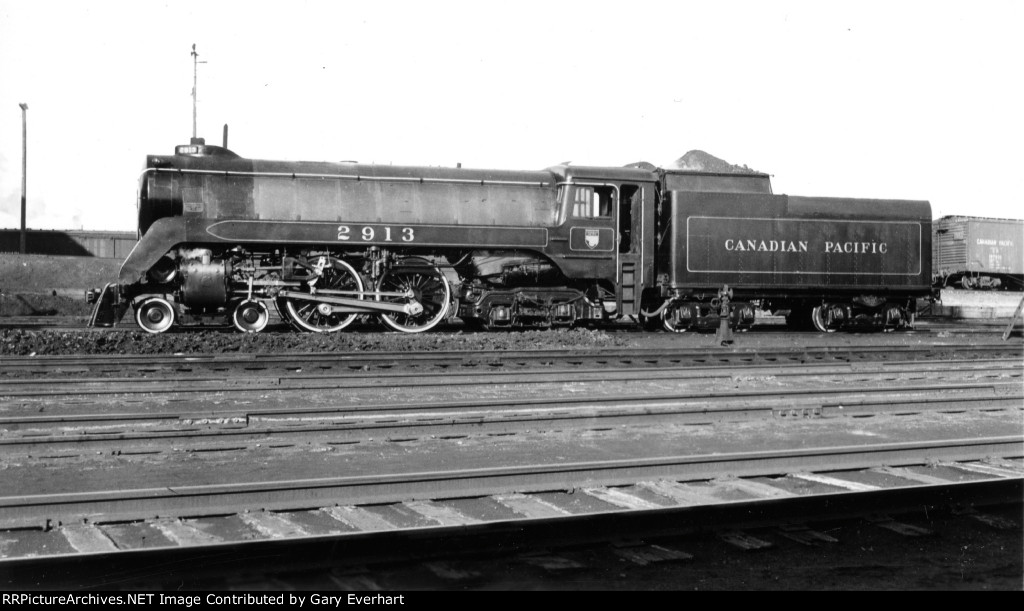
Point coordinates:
pixel 24 175
pixel 1013 319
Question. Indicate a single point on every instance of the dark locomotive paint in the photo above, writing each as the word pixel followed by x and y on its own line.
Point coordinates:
pixel 221 234
pixel 797 243
pixel 352 234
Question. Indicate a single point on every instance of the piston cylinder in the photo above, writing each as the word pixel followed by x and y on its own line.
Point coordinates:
pixel 204 284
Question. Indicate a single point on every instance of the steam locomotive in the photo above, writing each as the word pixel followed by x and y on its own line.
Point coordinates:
pixel 223 238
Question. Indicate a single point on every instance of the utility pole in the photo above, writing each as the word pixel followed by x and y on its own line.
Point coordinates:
pixel 195 79
pixel 24 170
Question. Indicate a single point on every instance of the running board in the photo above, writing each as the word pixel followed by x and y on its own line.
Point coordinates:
pixel 361 306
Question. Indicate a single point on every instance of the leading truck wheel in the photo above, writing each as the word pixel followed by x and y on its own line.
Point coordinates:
pixel 320 317
pixel 155 315
pixel 429 287
pixel 250 316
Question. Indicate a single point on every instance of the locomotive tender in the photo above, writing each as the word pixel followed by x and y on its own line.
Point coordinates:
pixel 221 237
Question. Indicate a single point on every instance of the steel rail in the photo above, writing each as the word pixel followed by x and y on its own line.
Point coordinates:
pixel 181 501
pixel 503 370
pixel 267 429
pixel 849 396
pixel 124 385
pixel 290 360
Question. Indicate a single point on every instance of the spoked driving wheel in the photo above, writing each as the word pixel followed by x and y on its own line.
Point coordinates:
pixel 429 287
pixel 319 316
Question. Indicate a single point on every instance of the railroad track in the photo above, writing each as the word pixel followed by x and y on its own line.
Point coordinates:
pixel 178 458
pixel 605 480
pixel 388 518
pixel 540 369
pixel 323 362
pixel 171 410
pixel 191 427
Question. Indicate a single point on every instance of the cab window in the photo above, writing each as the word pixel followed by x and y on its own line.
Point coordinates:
pixel 592 202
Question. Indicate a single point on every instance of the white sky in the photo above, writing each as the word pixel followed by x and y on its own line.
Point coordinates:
pixel 887 99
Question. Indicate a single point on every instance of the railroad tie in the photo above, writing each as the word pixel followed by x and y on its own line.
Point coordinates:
pixel 744 541
pixel 88 538
pixel 682 494
pixel 619 498
pixel 273 525
pixel 805 535
pixel 907 530
pixel 554 563
pixel 445 516
pixel 359 519
pixel 4 544
pixel 996 522
pixel 184 533
pixel 835 482
pixel 914 476
pixel 648 554
pixel 530 506
pixel 755 488
pixel 984 469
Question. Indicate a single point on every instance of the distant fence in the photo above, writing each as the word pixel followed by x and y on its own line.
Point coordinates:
pixel 106 244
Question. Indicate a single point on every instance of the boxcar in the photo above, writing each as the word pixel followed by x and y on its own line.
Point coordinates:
pixel 978 253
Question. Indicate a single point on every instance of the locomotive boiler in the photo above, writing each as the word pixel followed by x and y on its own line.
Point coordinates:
pixel 223 238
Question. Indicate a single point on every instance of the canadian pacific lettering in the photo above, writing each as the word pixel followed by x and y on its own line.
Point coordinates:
pixel 858 248
pixel 766 245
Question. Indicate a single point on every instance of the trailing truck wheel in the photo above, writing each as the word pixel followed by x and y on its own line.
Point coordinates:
pixel 250 316
pixel 155 315
pixel 429 287
pixel 320 317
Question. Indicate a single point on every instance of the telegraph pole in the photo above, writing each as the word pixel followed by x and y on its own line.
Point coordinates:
pixel 24 170
pixel 195 80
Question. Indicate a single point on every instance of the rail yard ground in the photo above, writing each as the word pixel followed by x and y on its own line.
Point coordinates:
pixel 946 551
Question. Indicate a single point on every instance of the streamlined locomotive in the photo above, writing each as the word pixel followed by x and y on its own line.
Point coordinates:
pixel 223 238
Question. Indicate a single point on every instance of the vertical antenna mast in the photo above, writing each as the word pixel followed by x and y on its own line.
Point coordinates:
pixel 195 78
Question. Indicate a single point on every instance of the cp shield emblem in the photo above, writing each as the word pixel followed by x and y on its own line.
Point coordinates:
pixel 593 238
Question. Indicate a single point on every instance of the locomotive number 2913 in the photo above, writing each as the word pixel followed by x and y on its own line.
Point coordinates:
pixel 371 233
